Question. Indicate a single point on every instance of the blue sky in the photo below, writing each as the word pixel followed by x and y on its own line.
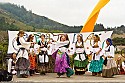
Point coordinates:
pixel 75 12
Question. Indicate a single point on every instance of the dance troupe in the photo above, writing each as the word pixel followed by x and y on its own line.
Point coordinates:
pixel 27 59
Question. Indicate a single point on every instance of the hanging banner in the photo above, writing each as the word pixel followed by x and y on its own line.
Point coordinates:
pixel 50 37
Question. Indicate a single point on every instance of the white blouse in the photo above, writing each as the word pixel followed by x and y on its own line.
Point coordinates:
pixel 11 67
pixel 94 50
pixel 59 45
pixel 24 44
pixel 109 51
pixel 79 52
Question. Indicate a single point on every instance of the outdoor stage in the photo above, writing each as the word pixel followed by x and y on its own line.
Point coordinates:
pixel 87 78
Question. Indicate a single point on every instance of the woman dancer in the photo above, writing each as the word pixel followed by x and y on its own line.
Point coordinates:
pixel 43 55
pixel 80 58
pixel 97 61
pixel 61 57
pixel 110 67
pixel 22 64
pixel 32 56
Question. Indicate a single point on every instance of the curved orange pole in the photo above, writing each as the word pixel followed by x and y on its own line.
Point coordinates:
pixel 89 25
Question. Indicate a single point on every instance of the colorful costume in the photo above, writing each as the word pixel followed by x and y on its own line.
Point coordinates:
pixel 97 61
pixel 43 58
pixel 32 59
pixel 22 64
pixel 62 60
pixel 109 67
pixel 80 59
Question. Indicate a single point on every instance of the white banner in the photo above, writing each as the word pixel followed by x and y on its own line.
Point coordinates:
pixel 87 38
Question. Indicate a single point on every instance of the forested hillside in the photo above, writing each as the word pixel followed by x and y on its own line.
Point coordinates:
pixel 38 22
pixel 116 30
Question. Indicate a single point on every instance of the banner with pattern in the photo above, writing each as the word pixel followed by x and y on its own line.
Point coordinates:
pixel 87 38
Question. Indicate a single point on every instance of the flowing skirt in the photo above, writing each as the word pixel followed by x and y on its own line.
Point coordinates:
pixel 22 66
pixel 32 59
pixel 81 63
pixel 110 68
pixel 62 63
pixel 43 60
pixel 23 63
pixel 96 65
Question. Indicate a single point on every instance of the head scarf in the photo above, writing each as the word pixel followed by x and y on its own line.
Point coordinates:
pixel 110 41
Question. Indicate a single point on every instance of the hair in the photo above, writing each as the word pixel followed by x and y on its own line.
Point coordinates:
pixel 81 39
pixel 66 36
pixel 12 55
pixel 98 38
pixel 20 32
pixel 42 35
pixel 110 41
pixel 30 36
pixel 61 37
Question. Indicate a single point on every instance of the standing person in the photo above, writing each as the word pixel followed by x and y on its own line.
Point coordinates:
pixel 109 67
pixel 120 65
pixel 32 56
pixel 12 63
pixel 22 65
pixel 80 58
pixel 97 61
pixel 61 57
pixel 43 56
pixel 122 69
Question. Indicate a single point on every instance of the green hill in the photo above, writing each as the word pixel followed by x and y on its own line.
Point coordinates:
pixel 9 23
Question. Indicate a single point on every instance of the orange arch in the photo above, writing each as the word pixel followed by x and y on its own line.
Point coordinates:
pixel 89 25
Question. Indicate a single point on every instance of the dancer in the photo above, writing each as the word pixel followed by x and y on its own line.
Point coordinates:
pixel 61 57
pixel 43 55
pixel 32 55
pixel 120 65
pixel 80 58
pixel 22 64
pixel 97 61
pixel 110 68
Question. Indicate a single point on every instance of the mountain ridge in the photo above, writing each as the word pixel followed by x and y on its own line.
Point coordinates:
pixel 21 14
